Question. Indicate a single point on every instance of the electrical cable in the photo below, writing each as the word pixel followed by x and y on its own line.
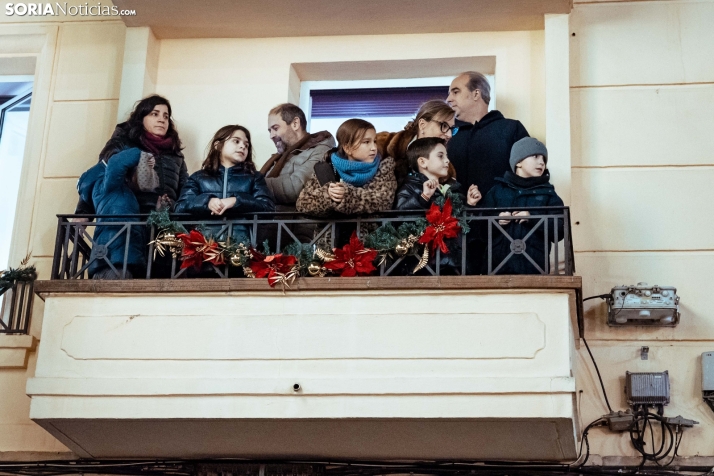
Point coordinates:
pixel 602 385
pixel 325 468
pixel 584 439
pixel 643 419
pixel 601 296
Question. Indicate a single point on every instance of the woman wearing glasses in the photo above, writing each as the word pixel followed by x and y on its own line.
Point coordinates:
pixel 435 118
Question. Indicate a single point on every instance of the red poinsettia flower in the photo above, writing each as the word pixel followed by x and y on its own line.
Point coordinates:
pixel 279 268
pixel 353 259
pixel 442 225
pixel 197 249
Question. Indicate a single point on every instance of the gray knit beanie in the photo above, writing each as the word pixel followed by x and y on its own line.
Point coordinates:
pixel 525 148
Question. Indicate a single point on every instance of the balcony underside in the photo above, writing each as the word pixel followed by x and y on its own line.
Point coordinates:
pixel 384 439
pixel 385 368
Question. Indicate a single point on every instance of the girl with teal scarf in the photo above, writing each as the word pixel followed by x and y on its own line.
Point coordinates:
pixel 353 179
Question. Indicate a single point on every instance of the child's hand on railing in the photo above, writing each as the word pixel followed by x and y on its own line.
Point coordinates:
pixel 216 206
pixel 229 202
pixel 473 196
pixel 522 214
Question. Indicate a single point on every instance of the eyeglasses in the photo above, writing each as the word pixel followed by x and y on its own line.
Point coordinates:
pixel 445 127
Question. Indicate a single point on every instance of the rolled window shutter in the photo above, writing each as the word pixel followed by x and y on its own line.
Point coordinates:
pixel 372 102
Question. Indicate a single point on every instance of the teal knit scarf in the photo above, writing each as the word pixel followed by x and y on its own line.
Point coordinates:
pixel 353 172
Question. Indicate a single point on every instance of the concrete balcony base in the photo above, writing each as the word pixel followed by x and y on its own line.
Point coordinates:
pixel 15 350
pixel 433 373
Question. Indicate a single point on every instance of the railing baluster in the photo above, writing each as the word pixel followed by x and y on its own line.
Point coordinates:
pixel 58 249
pixel 556 258
pixel 490 246
pixel 546 247
pixel 65 250
pixel 150 256
pixel 568 243
pixel 126 251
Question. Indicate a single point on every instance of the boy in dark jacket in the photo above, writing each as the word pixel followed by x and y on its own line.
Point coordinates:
pixel 528 185
pixel 429 166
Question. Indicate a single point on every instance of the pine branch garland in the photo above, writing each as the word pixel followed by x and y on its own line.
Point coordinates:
pixel 162 221
pixel 304 254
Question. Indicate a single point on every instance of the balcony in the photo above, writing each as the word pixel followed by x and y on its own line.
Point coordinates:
pixel 382 367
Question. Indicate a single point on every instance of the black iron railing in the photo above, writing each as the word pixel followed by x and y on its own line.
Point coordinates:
pixel 481 250
pixel 16 308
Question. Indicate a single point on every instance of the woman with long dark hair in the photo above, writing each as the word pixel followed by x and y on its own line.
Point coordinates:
pixel 151 129
pixel 140 169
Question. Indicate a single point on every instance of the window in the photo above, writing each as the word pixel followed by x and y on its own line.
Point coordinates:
pixel 15 98
pixel 388 104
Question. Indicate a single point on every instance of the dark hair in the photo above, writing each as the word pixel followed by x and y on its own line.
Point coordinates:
pixel 215 146
pixel 132 131
pixel 422 148
pixel 135 125
pixel 350 133
pixel 288 112
pixel 478 81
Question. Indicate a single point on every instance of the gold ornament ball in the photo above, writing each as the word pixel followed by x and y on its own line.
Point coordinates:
pixel 401 249
pixel 314 268
pixel 235 259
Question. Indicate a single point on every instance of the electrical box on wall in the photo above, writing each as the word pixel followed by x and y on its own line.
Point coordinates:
pixel 708 378
pixel 643 305
pixel 647 388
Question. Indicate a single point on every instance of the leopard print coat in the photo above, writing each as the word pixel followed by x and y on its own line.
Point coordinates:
pixel 375 196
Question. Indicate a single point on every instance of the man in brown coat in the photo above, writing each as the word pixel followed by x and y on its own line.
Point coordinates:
pixel 297 153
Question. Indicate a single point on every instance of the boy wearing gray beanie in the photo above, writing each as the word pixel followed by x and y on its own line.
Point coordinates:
pixel 527 186
pixel 528 149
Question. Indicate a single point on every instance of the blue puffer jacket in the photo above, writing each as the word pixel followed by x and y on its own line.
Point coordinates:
pixel 516 193
pixel 85 187
pixel 248 188
pixel 112 196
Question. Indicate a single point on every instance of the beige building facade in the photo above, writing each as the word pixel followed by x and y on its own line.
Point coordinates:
pixel 620 91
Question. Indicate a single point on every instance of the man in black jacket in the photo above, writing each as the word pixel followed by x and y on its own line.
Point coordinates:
pixel 481 146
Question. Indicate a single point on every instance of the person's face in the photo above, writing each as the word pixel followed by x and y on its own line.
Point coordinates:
pixel 437 164
pixel 157 121
pixel 531 166
pixel 461 100
pixel 439 126
pixel 365 150
pixel 235 149
pixel 281 133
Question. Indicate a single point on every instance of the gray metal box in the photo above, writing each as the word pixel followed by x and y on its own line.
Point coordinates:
pixel 643 305
pixel 647 388
pixel 708 378
pixel 708 371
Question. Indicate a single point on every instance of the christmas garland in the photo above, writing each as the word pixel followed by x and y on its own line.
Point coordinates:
pixel 443 221
pixel 10 276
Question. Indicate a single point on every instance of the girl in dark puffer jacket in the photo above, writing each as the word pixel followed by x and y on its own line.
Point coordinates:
pixel 227 184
